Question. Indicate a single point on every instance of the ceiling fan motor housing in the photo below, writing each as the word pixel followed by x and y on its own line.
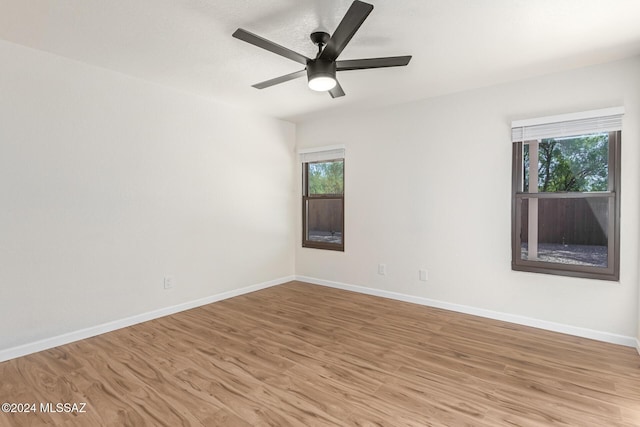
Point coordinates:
pixel 321 68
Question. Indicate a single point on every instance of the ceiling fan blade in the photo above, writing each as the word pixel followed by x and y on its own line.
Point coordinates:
pixel 354 18
pixel 337 91
pixel 263 43
pixel 280 79
pixel 361 64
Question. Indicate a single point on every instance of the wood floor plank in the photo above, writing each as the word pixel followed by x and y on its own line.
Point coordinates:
pixel 305 355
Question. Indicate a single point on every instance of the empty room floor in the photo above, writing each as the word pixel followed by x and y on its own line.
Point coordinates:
pixel 306 355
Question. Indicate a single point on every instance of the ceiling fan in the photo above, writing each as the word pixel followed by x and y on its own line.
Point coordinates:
pixel 321 70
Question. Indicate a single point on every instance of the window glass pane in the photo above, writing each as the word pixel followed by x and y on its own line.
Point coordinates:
pixel 568 164
pixel 569 231
pixel 324 220
pixel 326 177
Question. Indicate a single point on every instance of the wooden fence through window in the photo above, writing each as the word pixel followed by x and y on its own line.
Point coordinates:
pixel 325 215
pixel 569 221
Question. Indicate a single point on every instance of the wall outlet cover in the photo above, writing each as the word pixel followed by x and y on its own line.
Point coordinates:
pixel 169 281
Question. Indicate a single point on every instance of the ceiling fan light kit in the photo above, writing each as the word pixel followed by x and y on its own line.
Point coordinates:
pixel 321 75
pixel 321 71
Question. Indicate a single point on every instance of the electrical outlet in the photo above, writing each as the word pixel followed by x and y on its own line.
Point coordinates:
pixel 423 274
pixel 169 281
pixel 382 269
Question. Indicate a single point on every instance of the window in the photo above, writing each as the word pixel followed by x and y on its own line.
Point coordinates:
pixel 323 199
pixel 566 194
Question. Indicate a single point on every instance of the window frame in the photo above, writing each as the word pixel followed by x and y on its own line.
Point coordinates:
pixel 306 197
pixel 612 271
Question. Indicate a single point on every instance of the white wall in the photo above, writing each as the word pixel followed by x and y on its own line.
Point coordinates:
pixel 108 183
pixel 428 185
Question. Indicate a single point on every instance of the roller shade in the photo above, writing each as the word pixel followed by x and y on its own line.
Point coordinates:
pixel 595 121
pixel 319 154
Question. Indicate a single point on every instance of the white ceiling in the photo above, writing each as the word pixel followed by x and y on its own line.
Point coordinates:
pixel 456 44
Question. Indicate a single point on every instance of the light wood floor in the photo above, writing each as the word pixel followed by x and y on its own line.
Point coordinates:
pixel 305 355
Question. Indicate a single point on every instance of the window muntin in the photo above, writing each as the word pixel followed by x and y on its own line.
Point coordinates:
pixel 567 224
pixel 323 204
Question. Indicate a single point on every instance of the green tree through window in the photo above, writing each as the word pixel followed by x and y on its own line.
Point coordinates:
pixel 577 164
pixel 326 177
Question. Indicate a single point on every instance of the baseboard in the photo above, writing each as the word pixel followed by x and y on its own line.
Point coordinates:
pixel 47 343
pixel 638 345
pixel 512 318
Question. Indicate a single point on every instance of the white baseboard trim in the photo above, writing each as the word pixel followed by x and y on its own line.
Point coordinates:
pixel 638 345
pixel 47 343
pixel 512 318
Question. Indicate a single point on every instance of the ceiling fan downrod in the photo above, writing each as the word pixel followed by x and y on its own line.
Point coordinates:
pixel 320 39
